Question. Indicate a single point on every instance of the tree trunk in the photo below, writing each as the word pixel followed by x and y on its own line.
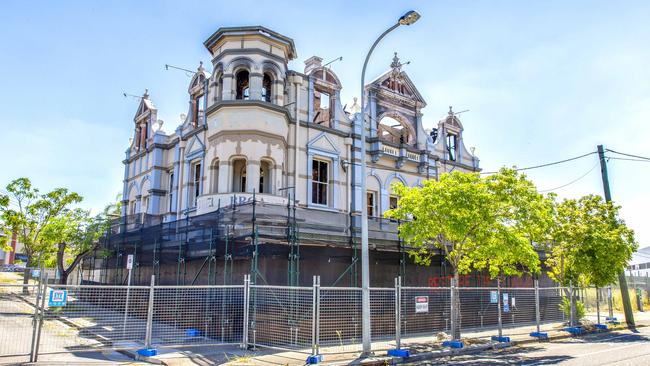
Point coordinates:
pixel 63 277
pixel 59 264
pixel 63 272
pixel 455 307
pixel 27 273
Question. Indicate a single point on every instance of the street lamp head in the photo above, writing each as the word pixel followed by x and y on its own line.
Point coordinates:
pixel 409 18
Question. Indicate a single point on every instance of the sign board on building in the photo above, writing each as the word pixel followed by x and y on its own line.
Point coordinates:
pixel 58 298
pixel 421 304
pixel 494 297
pixel 129 261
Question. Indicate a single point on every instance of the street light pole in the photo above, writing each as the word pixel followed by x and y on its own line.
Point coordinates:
pixel 407 19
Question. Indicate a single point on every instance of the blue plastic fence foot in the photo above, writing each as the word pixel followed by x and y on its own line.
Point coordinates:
pixel 601 326
pixel 192 332
pixel 148 352
pixel 540 335
pixel 453 344
pixel 404 353
pixel 574 330
pixel 314 359
pixel 501 339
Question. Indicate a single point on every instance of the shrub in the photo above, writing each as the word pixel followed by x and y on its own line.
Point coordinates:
pixel 565 306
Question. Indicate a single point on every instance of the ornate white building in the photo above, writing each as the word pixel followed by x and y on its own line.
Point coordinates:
pixel 253 125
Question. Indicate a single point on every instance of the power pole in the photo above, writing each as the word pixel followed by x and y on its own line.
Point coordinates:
pixel 627 306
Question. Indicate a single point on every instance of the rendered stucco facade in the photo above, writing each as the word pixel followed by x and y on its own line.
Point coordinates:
pixel 253 125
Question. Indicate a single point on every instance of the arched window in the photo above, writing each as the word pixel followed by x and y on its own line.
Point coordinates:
pixel 239 175
pixel 218 87
pixel 242 83
pixel 266 87
pixel 265 177
pixel 214 176
pixel 395 131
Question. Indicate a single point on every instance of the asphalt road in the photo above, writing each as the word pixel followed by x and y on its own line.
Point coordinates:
pixel 616 348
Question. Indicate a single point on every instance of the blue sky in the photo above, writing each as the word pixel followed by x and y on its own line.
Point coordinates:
pixel 543 80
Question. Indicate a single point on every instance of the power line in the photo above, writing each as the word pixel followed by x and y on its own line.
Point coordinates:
pixel 629 159
pixel 573 181
pixel 549 164
pixel 630 155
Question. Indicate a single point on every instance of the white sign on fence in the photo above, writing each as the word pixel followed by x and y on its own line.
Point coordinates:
pixel 129 261
pixel 494 298
pixel 421 304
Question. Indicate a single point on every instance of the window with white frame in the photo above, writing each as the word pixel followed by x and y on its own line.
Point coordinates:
pixel 319 182
pixel 392 202
pixel 171 191
pixel 451 146
pixel 196 183
pixel 371 203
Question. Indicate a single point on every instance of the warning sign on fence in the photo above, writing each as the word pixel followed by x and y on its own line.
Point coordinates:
pixel 58 298
pixel 421 304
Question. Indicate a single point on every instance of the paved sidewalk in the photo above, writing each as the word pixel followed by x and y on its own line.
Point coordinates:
pixel 423 347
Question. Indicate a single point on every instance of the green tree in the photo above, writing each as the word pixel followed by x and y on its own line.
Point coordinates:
pixel 27 212
pixel 478 223
pixel 76 235
pixel 588 243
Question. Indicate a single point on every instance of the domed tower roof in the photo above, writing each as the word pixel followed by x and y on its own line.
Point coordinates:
pixel 225 34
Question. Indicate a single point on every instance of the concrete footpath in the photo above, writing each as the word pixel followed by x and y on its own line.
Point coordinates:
pixel 421 348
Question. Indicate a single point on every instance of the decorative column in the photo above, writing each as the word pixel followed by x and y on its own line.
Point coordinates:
pixel 227 87
pixel 255 86
pixel 252 176
pixel 224 178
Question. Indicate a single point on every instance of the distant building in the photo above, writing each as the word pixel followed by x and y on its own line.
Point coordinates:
pixel 640 264
pixel 7 258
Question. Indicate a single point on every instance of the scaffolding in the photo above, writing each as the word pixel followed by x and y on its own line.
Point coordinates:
pixel 210 248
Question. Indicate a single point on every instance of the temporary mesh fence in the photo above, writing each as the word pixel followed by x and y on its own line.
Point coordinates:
pixel 197 315
pixel 418 320
pixel 280 316
pixel 340 316
pixel 93 317
pixel 50 318
pixel 17 314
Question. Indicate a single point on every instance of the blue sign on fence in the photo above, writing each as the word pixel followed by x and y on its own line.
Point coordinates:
pixel 58 298
pixel 494 298
pixel 506 308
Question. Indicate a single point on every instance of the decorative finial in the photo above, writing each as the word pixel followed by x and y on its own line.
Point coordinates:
pixel 200 66
pixel 146 94
pixel 451 112
pixel 396 64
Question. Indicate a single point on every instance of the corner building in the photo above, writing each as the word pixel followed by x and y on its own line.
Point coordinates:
pixel 262 176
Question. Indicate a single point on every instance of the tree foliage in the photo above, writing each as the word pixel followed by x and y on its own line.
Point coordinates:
pixel 27 212
pixel 477 223
pixel 588 242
